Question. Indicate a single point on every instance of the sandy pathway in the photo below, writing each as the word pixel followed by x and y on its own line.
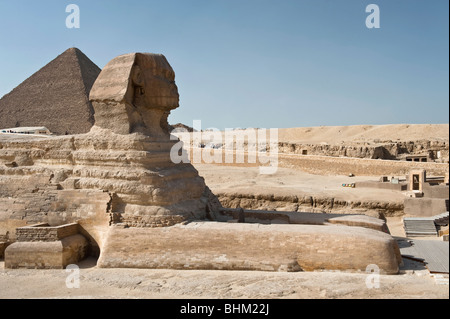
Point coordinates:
pixel 212 284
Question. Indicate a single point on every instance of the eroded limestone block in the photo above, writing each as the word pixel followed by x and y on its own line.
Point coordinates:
pixel 46 254
pixel 43 246
pixel 238 246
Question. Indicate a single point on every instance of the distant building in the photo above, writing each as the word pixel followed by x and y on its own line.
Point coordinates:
pixel 40 130
pixel 417 158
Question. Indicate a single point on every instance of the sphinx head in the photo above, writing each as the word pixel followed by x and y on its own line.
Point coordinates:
pixel 153 83
pixel 135 93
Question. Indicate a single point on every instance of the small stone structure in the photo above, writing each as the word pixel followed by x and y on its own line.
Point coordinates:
pixel 416 180
pixel 427 196
pixel 417 158
pixel 45 247
pixel 242 246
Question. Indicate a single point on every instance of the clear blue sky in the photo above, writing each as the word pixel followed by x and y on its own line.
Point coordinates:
pixel 256 63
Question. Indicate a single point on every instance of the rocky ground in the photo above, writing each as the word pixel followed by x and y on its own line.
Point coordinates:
pixel 294 190
pixel 286 181
pixel 212 284
pixel 413 282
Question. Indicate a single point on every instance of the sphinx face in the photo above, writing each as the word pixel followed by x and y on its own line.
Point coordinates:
pixel 154 81
pixel 135 92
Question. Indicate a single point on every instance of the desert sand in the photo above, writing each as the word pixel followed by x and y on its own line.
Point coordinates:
pixel 415 282
pixel 364 133
pixel 289 181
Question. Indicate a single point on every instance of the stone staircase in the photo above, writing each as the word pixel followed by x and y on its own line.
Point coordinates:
pixel 424 226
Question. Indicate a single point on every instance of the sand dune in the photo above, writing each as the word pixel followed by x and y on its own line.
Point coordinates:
pixel 360 133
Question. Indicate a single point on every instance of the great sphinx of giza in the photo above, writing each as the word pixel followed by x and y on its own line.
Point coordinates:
pixel 139 209
pixel 132 98
pixel 134 94
pixel 118 173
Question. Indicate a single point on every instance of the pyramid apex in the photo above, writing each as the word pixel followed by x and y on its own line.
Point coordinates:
pixel 73 49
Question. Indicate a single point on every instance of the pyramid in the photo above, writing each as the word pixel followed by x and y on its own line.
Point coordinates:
pixel 56 96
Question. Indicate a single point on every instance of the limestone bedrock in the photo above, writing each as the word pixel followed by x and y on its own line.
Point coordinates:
pixel 132 202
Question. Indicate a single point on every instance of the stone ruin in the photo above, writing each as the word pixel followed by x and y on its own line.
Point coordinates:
pixel 43 246
pixel 136 208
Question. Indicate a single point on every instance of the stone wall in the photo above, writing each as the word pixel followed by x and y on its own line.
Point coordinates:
pixel 328 165
pixel 43 232
pixel 325 165
pixel 314 204
pixel 46 254
pixel 42 246
pixel 383 185
pixel 280 217
pixel 29 199
pixel 36 204
pixel 371 150
pixel 425 207
pixel 436 191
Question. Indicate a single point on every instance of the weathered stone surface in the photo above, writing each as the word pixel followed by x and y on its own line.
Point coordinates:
pixel 46 254
pixel 135 93
pixel 425 207
pixel 43 232
pixel 237 246
pixel 360 221
pixel 388 150
pixel 327 165
pixel 3 246
pixel 301 218
pixel 315 204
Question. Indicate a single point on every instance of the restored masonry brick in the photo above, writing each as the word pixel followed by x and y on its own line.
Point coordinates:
pixel 46 254
pixel 44 247
pixel 240 246
pixel 43 232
